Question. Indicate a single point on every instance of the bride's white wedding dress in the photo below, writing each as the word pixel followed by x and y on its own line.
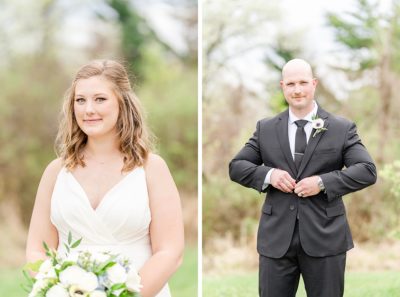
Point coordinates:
pixel 119 224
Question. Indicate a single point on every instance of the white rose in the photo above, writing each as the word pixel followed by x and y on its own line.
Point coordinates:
pixel 98 294
pixel 46 266
pixel 133 281
pixel 74 275
pixel 37 286
pixel 46 270
pixel 116 274
pixel 57 291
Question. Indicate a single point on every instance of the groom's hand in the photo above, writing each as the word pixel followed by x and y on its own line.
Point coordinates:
pixel 307 187
pixel 282 180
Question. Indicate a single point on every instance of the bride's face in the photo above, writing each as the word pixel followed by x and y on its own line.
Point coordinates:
pixel 96 106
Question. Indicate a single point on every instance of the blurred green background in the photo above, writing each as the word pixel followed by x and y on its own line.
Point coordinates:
pixel 353 49
pixel 43 44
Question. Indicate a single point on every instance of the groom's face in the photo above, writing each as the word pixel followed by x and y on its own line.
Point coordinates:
pixel 298 87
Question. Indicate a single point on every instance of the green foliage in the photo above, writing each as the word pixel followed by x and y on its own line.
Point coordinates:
pixel 31 99
pixel 391 174
pixel 361 31
pixel 134 35
pixel 170 98
pixel 184 281
pixel 229 207
pixel 277 102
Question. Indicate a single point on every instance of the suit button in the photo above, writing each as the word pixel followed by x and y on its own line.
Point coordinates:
pixel 291 207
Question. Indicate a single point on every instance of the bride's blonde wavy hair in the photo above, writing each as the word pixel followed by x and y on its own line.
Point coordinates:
pixel 134 136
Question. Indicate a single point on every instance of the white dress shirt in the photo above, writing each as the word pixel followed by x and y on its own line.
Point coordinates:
pixel 292 128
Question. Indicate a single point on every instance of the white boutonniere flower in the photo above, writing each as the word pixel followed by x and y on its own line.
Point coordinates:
pixel 318 125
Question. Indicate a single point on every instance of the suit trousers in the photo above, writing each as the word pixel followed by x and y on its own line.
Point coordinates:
pixel 323 276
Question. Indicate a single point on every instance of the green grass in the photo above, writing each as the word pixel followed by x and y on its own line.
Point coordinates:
pixel 182 284
pixel 358 284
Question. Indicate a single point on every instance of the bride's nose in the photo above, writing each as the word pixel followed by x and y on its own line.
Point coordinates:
pixel 89 108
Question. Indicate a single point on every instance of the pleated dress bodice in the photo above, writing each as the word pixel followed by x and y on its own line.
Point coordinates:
pixel 119 224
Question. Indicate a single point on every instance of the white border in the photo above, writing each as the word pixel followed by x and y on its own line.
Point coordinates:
pixel 199 151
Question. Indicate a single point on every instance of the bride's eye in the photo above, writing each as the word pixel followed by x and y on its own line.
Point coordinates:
pixel 80 100
pixel 100 99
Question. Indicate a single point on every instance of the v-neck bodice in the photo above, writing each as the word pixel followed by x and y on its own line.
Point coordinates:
pixel 108 193
pixel 119 224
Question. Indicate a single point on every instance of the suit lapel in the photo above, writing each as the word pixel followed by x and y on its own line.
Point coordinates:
pixel 313 141
pixel 282 132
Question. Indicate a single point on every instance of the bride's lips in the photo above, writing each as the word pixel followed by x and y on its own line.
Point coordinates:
pixel 92 121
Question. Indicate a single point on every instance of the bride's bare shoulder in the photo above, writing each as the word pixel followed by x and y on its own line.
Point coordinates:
pixel 154 163
pixel 52 169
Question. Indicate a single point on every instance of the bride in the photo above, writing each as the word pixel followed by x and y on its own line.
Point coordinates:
pixel 107 187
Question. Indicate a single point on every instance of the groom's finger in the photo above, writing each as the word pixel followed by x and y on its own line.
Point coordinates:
pixel 283 187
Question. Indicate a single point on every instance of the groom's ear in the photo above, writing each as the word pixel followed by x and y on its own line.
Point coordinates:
pixel 315 82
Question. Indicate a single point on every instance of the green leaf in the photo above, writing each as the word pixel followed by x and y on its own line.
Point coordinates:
pixel 103 267
pixel 28 278
pixel 69 238
pixel 76 243
pixel 46 247
pixel 26 288
pixel 118 286
pixel 66 264
pixel 67 247
pixel 128 294
pixel 33 266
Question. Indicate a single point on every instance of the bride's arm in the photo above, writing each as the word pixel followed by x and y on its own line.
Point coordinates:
pixel 41 229
pixel 166 228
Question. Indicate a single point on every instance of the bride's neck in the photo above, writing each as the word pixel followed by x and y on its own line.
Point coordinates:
pixel 99 148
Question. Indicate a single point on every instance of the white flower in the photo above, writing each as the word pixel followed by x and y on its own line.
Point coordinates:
pixel 98 293
pixel 38 286
pixel 133 281
pixel 46 266
pixel 46 270
pixel 75 291
pixel 57 291
pixel 318 124
pixel 76 276
pixel 116 274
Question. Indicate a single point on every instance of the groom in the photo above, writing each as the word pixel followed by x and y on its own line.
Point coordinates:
pixel 305 159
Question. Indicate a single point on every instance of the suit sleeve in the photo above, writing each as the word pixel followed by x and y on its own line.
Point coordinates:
pixel 360 170
pixel 247 167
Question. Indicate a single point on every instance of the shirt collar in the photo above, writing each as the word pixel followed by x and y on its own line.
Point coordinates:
pixel 308 117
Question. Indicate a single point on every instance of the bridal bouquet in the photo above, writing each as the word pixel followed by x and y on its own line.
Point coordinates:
pixel 82 274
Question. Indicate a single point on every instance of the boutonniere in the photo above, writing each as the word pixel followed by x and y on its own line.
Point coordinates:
pixel 318 125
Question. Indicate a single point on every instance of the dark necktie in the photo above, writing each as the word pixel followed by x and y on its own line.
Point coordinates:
pixel 300 142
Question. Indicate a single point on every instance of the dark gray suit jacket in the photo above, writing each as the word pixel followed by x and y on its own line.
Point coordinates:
pixel 336 155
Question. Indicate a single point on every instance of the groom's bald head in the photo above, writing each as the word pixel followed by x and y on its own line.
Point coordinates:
pixel 297 65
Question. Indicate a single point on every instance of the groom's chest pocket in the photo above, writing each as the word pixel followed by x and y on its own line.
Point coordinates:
pixel 328 156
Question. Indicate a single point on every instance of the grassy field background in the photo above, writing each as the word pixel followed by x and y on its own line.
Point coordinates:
pixel 183 283
pixel 358 284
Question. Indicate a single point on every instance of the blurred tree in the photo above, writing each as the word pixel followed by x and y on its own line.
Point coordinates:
pixel 134 35
pixel 35 73
pixel 371 38
pixel 391 173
